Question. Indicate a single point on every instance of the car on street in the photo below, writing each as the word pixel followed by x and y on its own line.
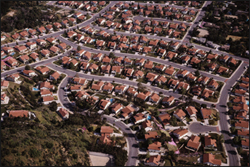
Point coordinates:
pixel 202 123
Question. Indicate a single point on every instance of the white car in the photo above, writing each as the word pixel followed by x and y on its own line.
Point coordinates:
pixel 202 123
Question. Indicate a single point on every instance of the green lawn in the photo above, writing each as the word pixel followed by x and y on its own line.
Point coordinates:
pixel 171 147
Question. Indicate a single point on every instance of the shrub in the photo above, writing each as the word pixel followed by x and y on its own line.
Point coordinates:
pixel 33 152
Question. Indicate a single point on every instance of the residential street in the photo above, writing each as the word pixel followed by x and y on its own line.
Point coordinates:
pixel 132 143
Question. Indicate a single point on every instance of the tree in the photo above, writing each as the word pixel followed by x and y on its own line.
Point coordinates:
pixel 53 106
pixel 27 67
pixel 148 155
pixel 204 105
pixel 229 104
pixel 149 141
pixel 197 73
pixel 71 65
pixel 232 129
pixel 112 55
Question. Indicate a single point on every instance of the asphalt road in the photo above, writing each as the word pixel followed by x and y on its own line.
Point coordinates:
pixel 156 60
pixel 233 159
pixel 197 128
pixel 224 92
pixel 141 18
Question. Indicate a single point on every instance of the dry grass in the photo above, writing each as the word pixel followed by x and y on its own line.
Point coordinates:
pixel 234 38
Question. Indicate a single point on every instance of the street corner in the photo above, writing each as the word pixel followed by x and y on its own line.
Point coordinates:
pixel 226 80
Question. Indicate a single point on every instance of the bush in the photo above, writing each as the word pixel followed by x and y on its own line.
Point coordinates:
pixel 33 152
pixel 90 129
pixel 49 145
pixel 75 156
pixel 53 106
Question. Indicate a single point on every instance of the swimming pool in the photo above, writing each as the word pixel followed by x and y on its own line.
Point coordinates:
pixel 35 89
pixel 111 100
pixel 247 102
pixel 125 10
pixel 149 117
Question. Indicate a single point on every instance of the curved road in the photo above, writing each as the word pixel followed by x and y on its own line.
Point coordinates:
pixel 132 143
pixel 222 100
pixel 196 127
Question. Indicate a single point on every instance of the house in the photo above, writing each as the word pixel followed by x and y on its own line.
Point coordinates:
pixel 13 77
pixel 112 45
pixel 239 92
pixel 127 112
pixel 118 60
pixel 54 49
pixel 138 118
pixel 34 56
pixel 128 72
pixel 206 113
pixel 143 96
pixel 121 89
pixel 127 61
pixel 98 86
pixel 13 62
pixel 32 32
pixel 182 73
pixel 43 70
pixel 137 48
pixel 101 21
pixel 93 67
pixel 224 58
pixel 203 80
pixel 116 69
pixel 151 135
pixel 180 114
pixel 19 113
pixel 29 73
pixel 191 111
pixel 143 39
pixel 79 81
pixel 4 84
pixel 132 91
pixel 87 55
pixel 41 42
pixel 46 85
pixel 62 46
pixel 168 100
pixel 54 76
pixel 74 88
pixel 212 56
pixel 164 119
pixel 24 58
pixel 194 61
pixel 242 115
pixel 213 84
pixel 49 27
pixel 57 25
pixel 108 87
pixel 161 52
pixel 245 143
pixel 116 107
pixel 31 45
pixel 64 113
pixel 153 160
pixel 173 83
pixel 148 65
pixel 160 80
pixel 245 80
pixel 106 132
pixel 193 143
pixel 239 99
pixel 45 92
pixel 222 70
pixel 242 124
pixel 243 133
pixel 209 159
pixel 154 147
pixel 196 90
pixel 45 52
pixel 103 104
pixel 147 125
pixel 4 98
pixel 15 36
pixel 240 107
pixel 191 77
pixel 148 29
pixel 232 61
pixel 207 93
pixel 134 39
pixel 211 66
pixel 185 59
pixel 41 29
pixel 48 99
pixel 180 133
pixel 169 71
pixel 20 49
pixel 154 98
pixel 140 62
pixel 151 77
pixel 3 65
pixel 174 45
pixel 8 50
pixel 24 34
pixel 98 57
